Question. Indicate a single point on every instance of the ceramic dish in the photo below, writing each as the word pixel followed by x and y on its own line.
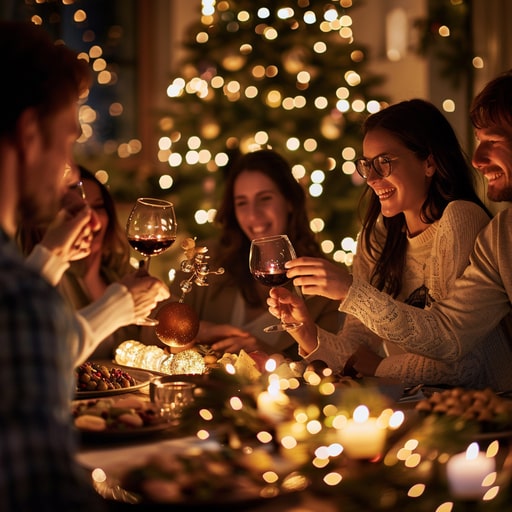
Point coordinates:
pixel 141 378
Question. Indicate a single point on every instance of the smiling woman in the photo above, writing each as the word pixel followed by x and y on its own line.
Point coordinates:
pixel 261 198
pixel 422 218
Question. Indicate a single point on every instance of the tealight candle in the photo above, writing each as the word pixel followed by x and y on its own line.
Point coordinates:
pixel 272 404
pixel 466 472
pixel 362 437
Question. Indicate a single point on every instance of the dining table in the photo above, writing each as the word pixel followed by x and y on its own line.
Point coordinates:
pixel 110 453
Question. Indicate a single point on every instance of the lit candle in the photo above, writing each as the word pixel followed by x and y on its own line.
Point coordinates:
pixel 273 403
pixel 466 472
pixel 362 437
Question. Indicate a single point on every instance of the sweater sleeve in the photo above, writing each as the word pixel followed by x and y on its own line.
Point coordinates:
pixel 50 266
pixel 101 318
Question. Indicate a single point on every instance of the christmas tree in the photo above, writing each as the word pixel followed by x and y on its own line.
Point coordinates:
pixel 282 74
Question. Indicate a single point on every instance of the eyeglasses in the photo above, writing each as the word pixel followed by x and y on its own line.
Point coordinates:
pixel 381 164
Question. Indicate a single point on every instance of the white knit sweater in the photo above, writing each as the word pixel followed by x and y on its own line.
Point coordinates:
pixel 434 259
pixel 463 330
pixel 114 309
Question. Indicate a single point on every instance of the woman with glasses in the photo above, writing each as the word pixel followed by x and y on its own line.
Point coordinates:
pixel 419 227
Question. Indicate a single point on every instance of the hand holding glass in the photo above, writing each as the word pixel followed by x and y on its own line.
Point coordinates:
pixel 151 229
pixel 266 262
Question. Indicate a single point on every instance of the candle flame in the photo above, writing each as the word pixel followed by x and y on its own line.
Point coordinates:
pixel 472 451
pixel 361 414
pixel 270 365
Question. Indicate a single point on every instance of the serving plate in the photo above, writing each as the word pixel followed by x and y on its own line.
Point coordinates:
pixel 239 494
pixel 141 378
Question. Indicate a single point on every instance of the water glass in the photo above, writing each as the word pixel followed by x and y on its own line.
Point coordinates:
pixel 172 398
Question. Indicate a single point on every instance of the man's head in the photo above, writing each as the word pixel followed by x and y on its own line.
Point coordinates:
pixel 39 124
pixel 491 115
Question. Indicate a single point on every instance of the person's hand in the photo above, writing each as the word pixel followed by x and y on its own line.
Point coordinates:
pixel 317 276
pixel 226 338
pixel 69 236
pixel 147 291
pixel 289 307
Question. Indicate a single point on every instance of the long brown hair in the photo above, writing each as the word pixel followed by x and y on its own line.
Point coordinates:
pixel 423 129
pixel 233 253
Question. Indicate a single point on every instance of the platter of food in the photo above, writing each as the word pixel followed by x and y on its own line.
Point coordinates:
pixel 197 477
pixel 488 414
pixel 116 418
pixel 97 380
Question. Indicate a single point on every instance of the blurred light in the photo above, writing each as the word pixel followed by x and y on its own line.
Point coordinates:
pixel 348 153
pixel 373 106
pixel 201 217
pixel 95 51
pixel 348 244
pixel 330 14
pixel 358 106
pixel 165 181
pixel 298 171
pixel 293 143
pixel 251 92
pixel 317 225
pixel 261 137
pixel 343 105
pixel 270 33
pixel 221 159
pixel 263 13
pixel 315 190
pixel 285 13
pixel 175 160
pixel 352 78
pixel 115 109
pixel 101 176
pixel 319 47
pixel 478 62
pixel 79 16
pixel 342 93
pixel 309 17
pixel 310 145
pixel 327 246
pixel 164 143
pixel 348 168
pixel 194 142
pixel 449 105
pixel 444 31
pixel 321 102
pixel 318 176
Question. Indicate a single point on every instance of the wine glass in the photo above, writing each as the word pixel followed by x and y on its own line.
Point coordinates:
pixel 151 230
pixel 266 262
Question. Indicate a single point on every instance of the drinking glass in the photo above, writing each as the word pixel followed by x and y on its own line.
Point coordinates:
pixel 151 230
pixel 172 399
pixel 267 257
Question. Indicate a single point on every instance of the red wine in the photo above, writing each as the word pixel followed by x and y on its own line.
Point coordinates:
pixel 151 246
pixel 271 278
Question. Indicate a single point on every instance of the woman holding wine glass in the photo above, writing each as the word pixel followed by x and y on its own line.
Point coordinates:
pixel 261 197
pixel 102 286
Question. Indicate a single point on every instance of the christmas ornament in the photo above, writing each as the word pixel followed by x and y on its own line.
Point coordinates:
pixel 178 323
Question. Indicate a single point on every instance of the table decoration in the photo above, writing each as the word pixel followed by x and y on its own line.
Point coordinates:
pixel 362 437
pixel 468 473
pixel 178 323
